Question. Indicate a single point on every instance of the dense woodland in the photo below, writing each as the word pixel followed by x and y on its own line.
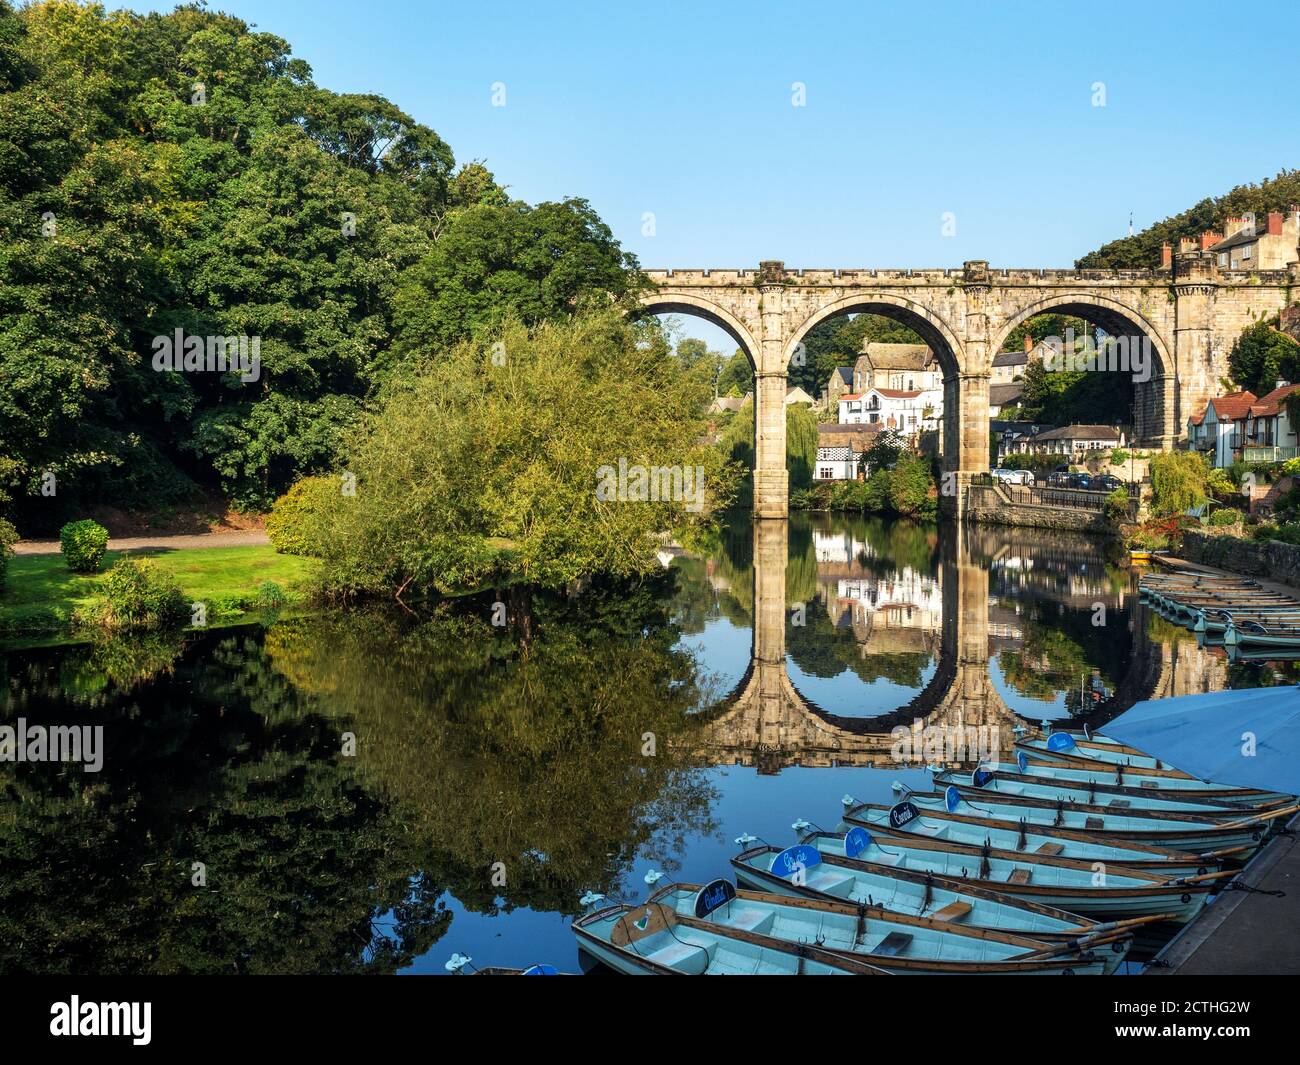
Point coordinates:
pixel 183 171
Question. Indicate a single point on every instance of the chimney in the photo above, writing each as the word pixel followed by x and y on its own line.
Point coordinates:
pixel 1209 238
pixel 1186 245
pixel 1166 256
pixel 1029 343
pixel 1274 223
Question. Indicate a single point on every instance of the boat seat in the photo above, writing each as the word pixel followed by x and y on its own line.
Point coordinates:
pixel 832 882
pixel 1150 783
pixel 1019 876
pixel 689 958
pixel 1049 850
pixel 931 830
pixel 752 920
pixel 954 911
pixel 1094 822
pixel 1122 804
pixel 893 944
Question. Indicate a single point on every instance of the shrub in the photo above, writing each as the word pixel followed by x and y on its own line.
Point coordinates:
pixel 1287 534
pixel 911 487
pixel 83 544
pixel 1115 506
pixel 1225 516
pixel 1118 457
pixel 1291 467
pixel 295 522
pixel 269 596
pixel 8 534
pixel 140 596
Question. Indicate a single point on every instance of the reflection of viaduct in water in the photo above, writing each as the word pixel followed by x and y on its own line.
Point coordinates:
pixel 768 723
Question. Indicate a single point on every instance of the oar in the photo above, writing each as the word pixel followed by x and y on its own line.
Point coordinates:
pixel 1223 853
pixel 1204 876
pixel 1131 922
pixel 1263 817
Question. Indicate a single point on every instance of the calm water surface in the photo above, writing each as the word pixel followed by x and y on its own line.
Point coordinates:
pixel 373 791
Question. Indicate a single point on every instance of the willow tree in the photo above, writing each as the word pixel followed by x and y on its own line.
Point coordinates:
pixel 536 456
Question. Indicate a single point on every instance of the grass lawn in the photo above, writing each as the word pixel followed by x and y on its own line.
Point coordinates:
pixel 42 593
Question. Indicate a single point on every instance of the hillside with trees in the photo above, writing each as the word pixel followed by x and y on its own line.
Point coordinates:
pixel 1142 250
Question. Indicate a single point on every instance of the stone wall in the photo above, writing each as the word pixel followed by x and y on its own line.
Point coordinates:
pixel 987 506
pixel 1253 558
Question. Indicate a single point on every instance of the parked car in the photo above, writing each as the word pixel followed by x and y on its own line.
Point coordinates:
pixel 1024 477
pixel 1106 483
pixel 1079 480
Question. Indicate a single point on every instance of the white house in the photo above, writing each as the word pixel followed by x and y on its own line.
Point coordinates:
pixel 907 412
pixel 1220 426
pixel 1072 443
pixel 840 449
pixel 1270 436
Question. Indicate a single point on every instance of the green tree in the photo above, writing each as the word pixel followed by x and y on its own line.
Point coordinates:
pixel 1262 356
pixel 1178 482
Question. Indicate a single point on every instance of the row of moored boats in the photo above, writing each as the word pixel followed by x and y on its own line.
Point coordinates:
pixel 1235 610
pixel 1048 864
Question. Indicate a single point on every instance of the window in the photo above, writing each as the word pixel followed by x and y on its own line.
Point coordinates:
pixel 1223 258
pixel 1247 251
pixel 826 473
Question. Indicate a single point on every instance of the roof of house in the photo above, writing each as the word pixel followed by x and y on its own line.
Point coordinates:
pixel 1236 241
pixel 795 394
pixel 881 356
pixel 846 374
pixel 858 437
pixel 1005 395
pixel 1011 358
pixel 1227 408
pixel 1081 432
pixel 1272 403
pixel 897 393
pixel 728 403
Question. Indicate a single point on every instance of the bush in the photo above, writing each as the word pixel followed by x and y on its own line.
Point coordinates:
pixel 911 488
pixel 1291 467
pixel 1118 457
pixel 1225 516
pixel 269 596
pixel 83 544
pixel 1178 481
pixel 1287 534
pixel 140 596
pixel 295 522
pixel 8 534
pixel 1115 506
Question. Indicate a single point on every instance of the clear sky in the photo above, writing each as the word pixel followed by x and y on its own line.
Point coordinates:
pixel 912 111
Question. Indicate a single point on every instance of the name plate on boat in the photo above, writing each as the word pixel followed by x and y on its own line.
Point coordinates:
pixel 795 861
pixel 1022 761
pixel 901 813
pixel 856 840
pixel 980 778
pixel 952 797
pixel 1060 741
pixel 712 895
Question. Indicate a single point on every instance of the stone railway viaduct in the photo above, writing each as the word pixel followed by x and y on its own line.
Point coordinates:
pixel 1191 313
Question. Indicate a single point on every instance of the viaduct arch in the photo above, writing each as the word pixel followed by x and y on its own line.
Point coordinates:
pixel 1191 313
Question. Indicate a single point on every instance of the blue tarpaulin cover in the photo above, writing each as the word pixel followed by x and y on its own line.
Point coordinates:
pixel 1205 735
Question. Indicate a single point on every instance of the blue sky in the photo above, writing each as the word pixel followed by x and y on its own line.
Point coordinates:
pixel 913 110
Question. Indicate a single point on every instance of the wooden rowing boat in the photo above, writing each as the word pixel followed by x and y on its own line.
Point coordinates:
pixel 894 943
pixel 848 869
pixel 653 939
pixel 1065 745
pixel 985 785
pixel 1115 779
pixel 1040 873
pixel 1175 831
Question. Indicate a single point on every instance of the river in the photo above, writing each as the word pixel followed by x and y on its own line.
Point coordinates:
pixel 374 791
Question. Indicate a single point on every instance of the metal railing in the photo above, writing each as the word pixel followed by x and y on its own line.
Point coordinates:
pixel 1045 496
pixel 1269 454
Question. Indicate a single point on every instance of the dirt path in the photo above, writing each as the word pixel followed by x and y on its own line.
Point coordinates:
pixel 166 543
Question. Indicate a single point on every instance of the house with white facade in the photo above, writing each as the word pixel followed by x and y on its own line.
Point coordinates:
pixel 906 412
pixel 1270 436
pixel 1219 428
pixel 1072 443
pixel 840 449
